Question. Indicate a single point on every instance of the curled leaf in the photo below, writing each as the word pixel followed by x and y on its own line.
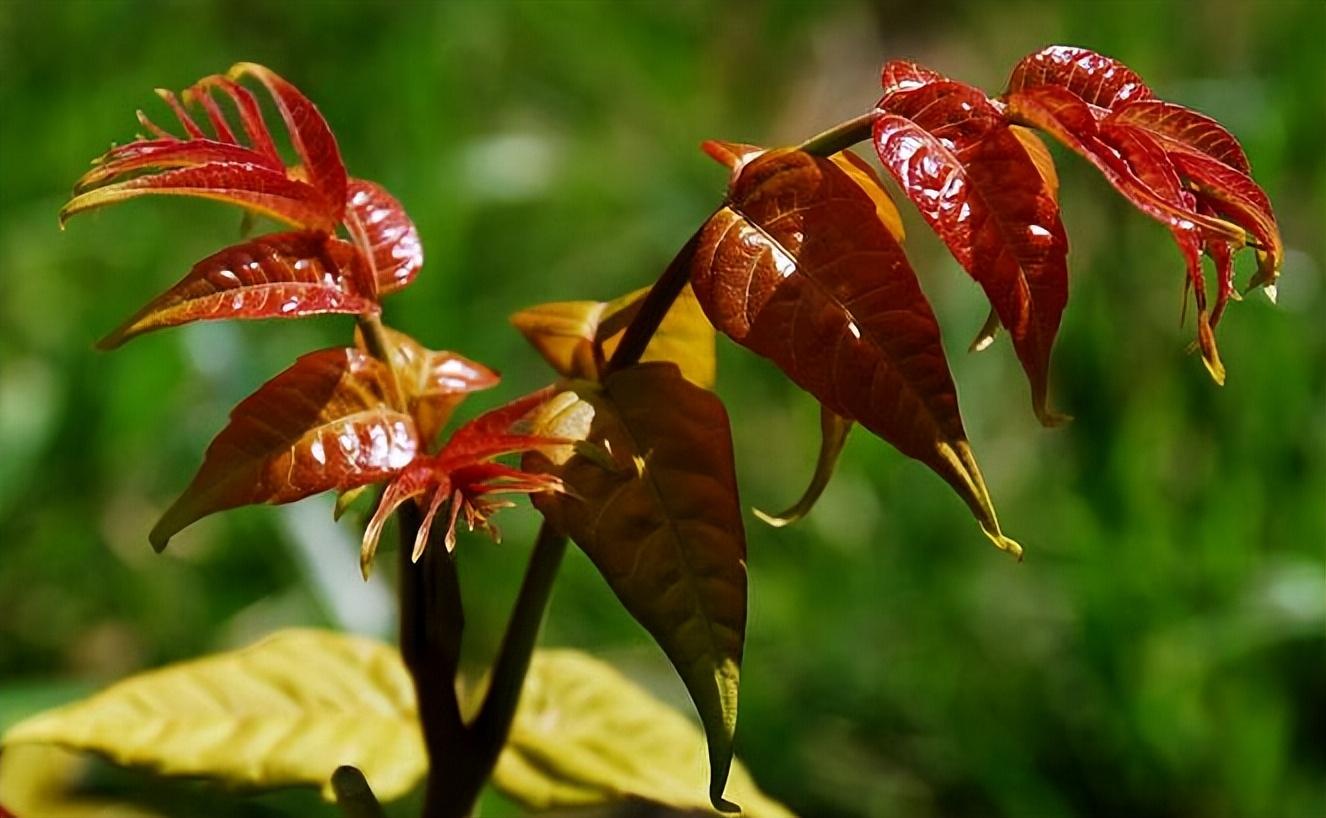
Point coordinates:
pixel 283 275
pixel 663 526
pixel 323 424
pixel 833 436
pixel 797 267
pixel 390 239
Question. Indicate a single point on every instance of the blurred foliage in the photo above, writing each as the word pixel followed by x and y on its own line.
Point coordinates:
pixel 1162 651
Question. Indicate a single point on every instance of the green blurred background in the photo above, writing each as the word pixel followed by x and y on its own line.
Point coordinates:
pixel 1161 652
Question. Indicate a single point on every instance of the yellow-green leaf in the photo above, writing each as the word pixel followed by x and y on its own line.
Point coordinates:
pixel 576 337
pixel 41 781
pixel 662 523
pixel 833 435
pixel 584 734
pixel 286 711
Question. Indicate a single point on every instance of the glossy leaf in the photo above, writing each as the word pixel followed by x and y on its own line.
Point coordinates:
pixel 434 382
pixel 797 267
pixel 1093 78
pixel 833 436
pixel 223 168
pixel 325 423
pixel 985 195
pixel 286 711
pixel 905 75
pixel 390 239
pixel 463 478
pixel 586 735
pixel 577 337
pixel 1186 127
pixel 663 525
pixel 283 275
pixel 1070 121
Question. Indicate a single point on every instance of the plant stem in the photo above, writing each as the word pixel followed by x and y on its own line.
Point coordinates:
pixel 841 136
pixel 489 729
pixel 654 308
pixel 380 347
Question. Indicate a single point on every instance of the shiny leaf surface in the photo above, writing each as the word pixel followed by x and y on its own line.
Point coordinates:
pixel 390 239
pixel 585 735
pixel 434 381
pixel 798 268
pixel 662 523
pixel 325 423
pixel 981 190
pixel 286 711
pixel 284 275
pixel 1094 78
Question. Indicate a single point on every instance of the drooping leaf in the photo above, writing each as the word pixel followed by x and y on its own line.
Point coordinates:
pixel 577 337
pixel 833 436
pixel 798 268
pixel 286 711
pixel 434 381
pixel 1094 78
pixel 463 478
pixel 1069 120
pixel 390 237
pixel 325 423
pixel 981 190
pixel 283 275
pixel 221 167
pixel 586 735
pixel 1185 127
pixel 663 525
pixel 859 171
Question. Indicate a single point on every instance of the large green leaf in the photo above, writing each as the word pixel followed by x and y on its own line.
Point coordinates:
pixel 286 711
pixel 661 520
pixel 585 734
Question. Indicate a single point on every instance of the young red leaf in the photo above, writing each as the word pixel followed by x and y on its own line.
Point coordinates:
pixel 797 267
pixel 1186 127
pixel 323 424
pixel 462 474
pixel 220 167
pixel 661 520
pixel 284 275
pixel 434 382
pixel 389 238
pixel 1069 120
pixel 1094 78
pixel 310 136
pixel 983 193
pixel 905 75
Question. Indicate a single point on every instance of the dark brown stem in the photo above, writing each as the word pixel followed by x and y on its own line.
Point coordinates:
pixel 654 308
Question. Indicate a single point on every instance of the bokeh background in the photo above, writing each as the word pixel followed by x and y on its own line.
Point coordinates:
pixel 1162 650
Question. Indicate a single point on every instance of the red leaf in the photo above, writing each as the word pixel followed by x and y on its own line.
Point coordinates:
pixel 1094 78
pixel 284 275
pixel 462 475
pixel 797 267
pixel 1068 119
pixel 731 155
pixel 309 134
pixel 434 382
pixel 389 238
pixel 982 192
pixel 905 75
pixel 323 424
pixel 221 167
pixel 1185 126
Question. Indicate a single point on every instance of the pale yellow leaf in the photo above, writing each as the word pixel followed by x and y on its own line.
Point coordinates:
pixel 286 711
pixel 586 734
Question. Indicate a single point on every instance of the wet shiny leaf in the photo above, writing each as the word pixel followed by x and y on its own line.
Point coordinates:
pixel 283 275
pixel 325 423
pixel 987 197
pixel 797 267
pixel 662 522
pixel 391 241
pixel 1093 78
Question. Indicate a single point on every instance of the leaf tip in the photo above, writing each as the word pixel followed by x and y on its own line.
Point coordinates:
pixel 775 520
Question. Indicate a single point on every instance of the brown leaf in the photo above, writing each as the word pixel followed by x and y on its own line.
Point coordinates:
pixel 798 268
pixel 325 423
pixel 663 526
